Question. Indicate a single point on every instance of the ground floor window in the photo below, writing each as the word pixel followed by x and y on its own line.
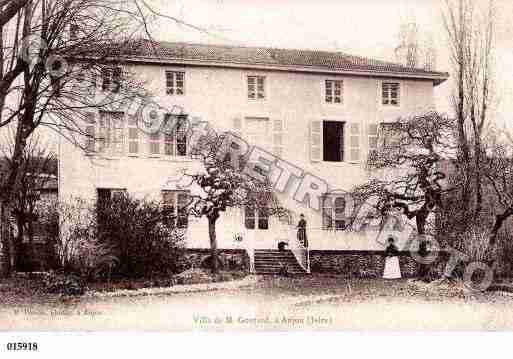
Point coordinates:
pixel 256 213
pixel 105 195
pixel 175 203
pixel 334 213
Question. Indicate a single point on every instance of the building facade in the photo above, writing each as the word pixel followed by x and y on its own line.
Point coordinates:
pixel 320 111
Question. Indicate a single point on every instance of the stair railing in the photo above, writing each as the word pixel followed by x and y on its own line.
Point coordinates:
pixel 300 252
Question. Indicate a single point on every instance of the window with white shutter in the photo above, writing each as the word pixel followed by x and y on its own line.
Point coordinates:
pixel 315 141
pixel 354 142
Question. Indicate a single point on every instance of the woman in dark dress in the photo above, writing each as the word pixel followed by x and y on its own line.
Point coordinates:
pixel 392 269
pixel 301 231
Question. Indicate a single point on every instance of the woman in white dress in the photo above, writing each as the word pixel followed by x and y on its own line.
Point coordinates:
pixel 392 269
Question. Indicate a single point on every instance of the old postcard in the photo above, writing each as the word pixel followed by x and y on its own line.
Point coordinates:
pixel 255 166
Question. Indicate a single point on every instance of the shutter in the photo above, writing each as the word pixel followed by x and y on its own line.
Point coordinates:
pixel 278 129
pixel 104 133
pixel 118 133
pixel 90 132
pixel 316 141
pixel 372 136
pixel 354 142
pixel 133 135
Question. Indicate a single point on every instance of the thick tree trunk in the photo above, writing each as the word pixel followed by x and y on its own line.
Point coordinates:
pixel 213 242
pixel 5 257
pixel 420 220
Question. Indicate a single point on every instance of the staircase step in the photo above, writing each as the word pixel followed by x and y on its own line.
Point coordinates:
pixel 270 262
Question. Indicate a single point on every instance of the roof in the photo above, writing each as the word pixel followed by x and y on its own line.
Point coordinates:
pixel 272 58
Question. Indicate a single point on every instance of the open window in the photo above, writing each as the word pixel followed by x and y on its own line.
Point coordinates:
pixel 333 141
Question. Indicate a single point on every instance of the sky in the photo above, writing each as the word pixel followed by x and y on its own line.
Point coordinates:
pixel 360 27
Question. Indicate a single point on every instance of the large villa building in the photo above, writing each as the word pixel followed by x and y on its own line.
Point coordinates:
pixel 320 111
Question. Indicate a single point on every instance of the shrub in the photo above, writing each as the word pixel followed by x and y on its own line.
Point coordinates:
pixel 64 284
pixel 92 259
pixel 135 230
pixel 77 220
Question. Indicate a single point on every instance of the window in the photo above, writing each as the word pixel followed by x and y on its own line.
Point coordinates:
pixel 333 141
pixel 107 194
pixel 390 93
pixel 175 206
pixel 334 213
pixel 104 198
pixel 175 140
pixel 334 91
pixel 111 79
pixel 175 82
pixel 256 87
pixel 256 215
pixel 171 142
pixel 111 136
pixel 390 135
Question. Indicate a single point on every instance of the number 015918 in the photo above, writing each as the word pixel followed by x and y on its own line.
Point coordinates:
pixel 21 346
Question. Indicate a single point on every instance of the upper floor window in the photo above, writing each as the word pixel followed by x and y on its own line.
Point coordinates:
pixel 111 79
pixel 256 87
pixel 111 133
pixel 333 144
pixel 175 82
pixel 171 142
pixel 335 141
pixel 175 206
pixel 334 91
pixel 390 93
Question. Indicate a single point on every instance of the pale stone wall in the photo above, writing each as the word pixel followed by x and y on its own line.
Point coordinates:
pixel 220 96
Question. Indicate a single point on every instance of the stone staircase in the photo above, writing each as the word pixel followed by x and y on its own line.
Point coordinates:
pixel 270 261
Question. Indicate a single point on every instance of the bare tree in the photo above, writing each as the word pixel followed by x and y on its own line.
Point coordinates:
pixel 407 168
pixel 470 29
pixel 38 168
pixel 221 184
pixel 59 48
